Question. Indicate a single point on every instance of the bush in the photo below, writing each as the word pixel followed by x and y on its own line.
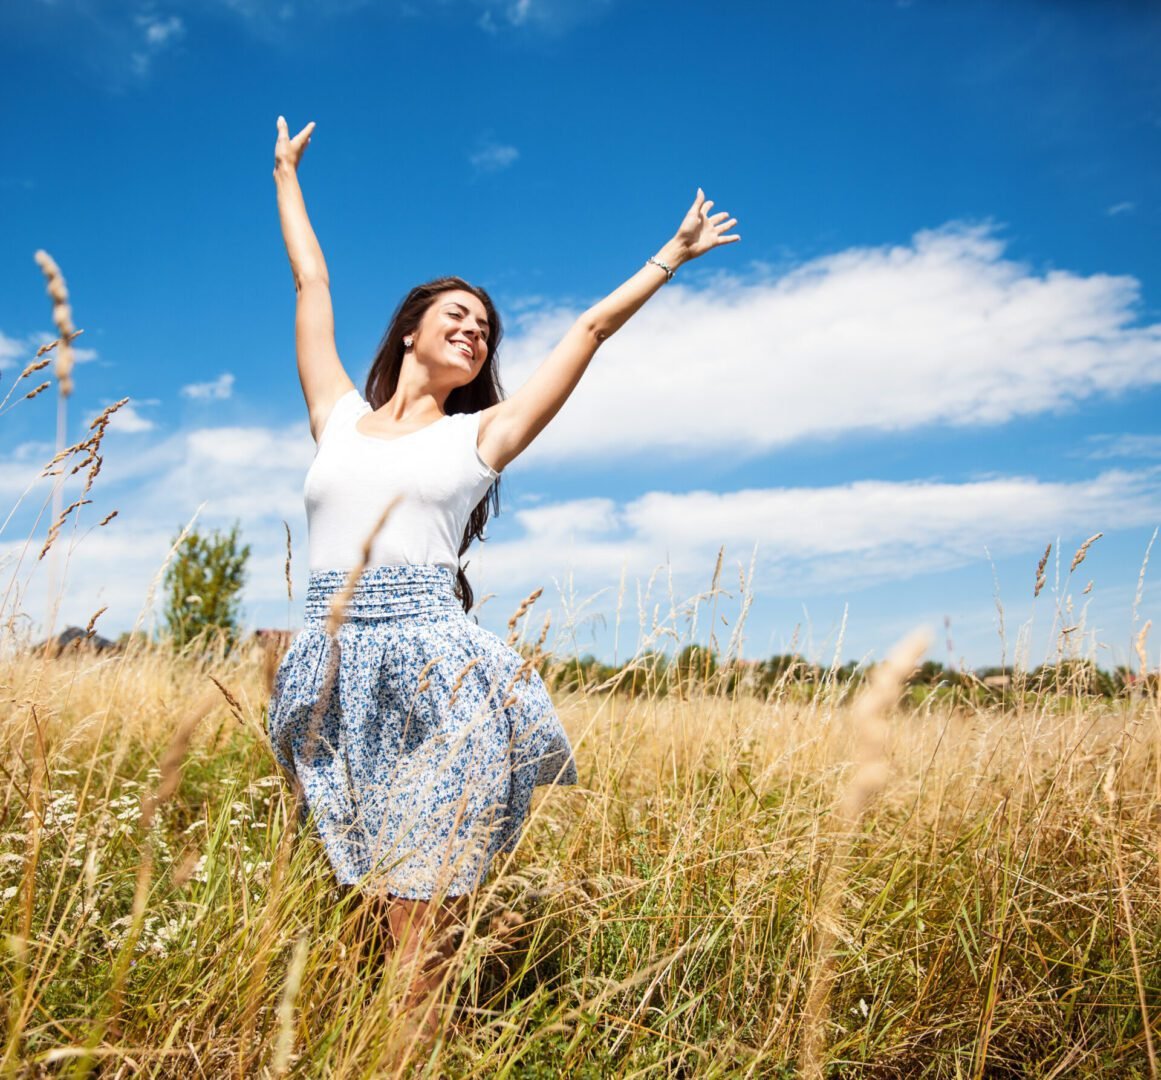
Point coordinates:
pixel 202 587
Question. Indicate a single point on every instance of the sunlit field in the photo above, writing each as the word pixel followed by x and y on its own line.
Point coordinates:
pixel 815 872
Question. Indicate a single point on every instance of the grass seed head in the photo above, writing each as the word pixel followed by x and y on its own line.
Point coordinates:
pixel 1040 571
pixel 62 315
pixel 1082 551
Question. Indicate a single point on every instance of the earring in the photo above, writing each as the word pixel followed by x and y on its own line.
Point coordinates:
pixel 407 342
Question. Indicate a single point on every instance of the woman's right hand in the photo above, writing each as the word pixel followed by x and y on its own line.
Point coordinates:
pixel 287 151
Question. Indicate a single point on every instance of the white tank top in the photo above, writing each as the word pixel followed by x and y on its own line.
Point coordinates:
pixel 437 470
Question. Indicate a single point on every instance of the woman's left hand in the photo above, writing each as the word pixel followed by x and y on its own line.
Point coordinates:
pixel 700 231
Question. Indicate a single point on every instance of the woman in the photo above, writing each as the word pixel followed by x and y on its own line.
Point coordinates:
pixel 414 735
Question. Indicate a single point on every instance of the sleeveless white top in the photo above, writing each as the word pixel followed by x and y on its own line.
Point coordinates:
pixel 437 470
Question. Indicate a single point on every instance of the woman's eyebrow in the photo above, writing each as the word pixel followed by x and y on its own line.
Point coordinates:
pixel 462 307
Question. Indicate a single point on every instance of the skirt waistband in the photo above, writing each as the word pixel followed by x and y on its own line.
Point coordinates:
pixel 384 592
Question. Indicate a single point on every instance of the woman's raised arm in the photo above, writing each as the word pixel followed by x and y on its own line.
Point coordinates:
pixel 507 428
pixel 321 372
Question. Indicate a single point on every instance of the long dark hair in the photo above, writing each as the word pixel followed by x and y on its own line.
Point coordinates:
pixel 484 390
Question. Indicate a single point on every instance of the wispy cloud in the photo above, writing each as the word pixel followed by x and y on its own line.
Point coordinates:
pixel 157 33
pixel 219 389
pixel 1124 446
pixel 944 330
pixel 11 350
pixel 1121 208
pixel 550 17
pixel 493 156
pixel 122 43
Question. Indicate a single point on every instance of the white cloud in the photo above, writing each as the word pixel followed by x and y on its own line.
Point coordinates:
pixel 1121 208
pixel 493 157
pixel 518 11
pixel 820 539
pixel 551 17
pixel 10 350
pixel 1124 446
pixel 128 420
pixel 157 33
pixel 19 471
pixel 218 390
pixel 944 330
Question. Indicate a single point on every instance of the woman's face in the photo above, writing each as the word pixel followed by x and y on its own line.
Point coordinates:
pixel 453 335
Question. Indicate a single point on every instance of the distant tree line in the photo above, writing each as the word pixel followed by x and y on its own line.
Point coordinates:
pixel 696 669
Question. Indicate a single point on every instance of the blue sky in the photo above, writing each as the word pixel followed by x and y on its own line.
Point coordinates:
pixel 938 340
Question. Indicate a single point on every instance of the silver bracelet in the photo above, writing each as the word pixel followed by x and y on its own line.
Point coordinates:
pixel 657 262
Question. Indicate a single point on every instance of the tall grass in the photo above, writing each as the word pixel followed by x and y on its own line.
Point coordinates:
pixel 811 882
pixel 998 909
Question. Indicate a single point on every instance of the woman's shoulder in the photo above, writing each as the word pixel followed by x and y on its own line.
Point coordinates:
pixel 347 408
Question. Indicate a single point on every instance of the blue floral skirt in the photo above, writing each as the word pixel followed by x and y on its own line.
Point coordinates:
pixel 413 735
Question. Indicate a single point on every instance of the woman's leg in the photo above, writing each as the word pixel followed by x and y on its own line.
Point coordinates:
pixel 422 932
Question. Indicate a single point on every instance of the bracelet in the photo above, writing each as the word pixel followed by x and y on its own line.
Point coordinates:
pixel 657 262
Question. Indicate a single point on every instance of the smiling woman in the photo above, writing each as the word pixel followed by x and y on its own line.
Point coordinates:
pixel 414 736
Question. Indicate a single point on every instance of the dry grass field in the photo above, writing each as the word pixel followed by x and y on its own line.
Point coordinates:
pixel 831 879
pixel 737 887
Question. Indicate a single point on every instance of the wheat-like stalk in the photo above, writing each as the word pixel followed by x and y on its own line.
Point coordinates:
pixel 867 717
pixel 525 604
pixel 62 315
pixel 285 1045
pixel 35 365
pixel 286 571
pixel 235 707
pixel 1082 551
pixel 342 597
pixel 1040 571
pixel 30 369
pixel 1139 647
pixel 460 679
pixel 56 526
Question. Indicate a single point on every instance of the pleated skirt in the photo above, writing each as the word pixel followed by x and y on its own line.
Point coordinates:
pixel 413 737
